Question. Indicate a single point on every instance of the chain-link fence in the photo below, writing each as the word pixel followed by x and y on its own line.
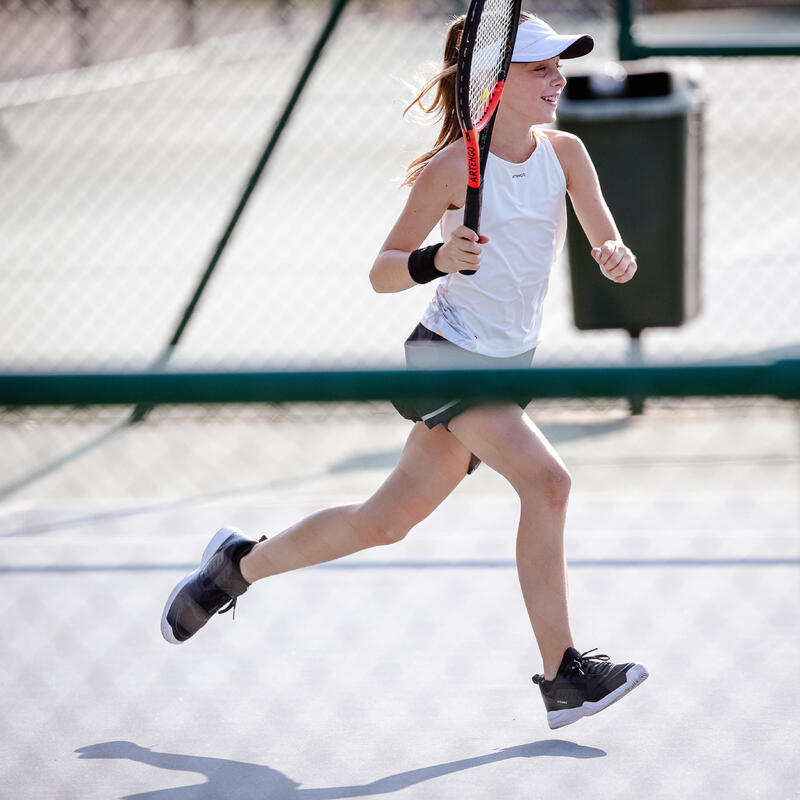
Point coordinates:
pixel 129 131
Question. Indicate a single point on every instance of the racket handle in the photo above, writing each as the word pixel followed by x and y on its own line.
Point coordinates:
pixel 472 215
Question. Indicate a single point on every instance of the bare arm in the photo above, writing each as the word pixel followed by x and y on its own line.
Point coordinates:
pixel 616 261
pixel 441 185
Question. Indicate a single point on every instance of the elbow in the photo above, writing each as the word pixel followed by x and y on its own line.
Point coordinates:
pixel 389 272
pixel 378 278
pixel 375 280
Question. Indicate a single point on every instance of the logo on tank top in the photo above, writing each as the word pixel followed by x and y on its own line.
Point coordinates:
pixel 520 175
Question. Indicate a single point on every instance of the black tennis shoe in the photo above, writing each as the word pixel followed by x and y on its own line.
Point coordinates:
pixel 212 588
pixel 586 684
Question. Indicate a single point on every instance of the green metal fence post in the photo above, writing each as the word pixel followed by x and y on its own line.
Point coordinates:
pixel 625 44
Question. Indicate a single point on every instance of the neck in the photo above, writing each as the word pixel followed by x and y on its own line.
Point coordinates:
pixel 512 142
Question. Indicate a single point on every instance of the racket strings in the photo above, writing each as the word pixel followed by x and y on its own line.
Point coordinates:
pixel 489 55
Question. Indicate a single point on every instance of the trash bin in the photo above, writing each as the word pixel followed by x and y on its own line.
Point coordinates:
pixel 643 130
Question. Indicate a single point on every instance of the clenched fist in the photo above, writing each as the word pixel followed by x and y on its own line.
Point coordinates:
pixel 462 250
pixel 616 261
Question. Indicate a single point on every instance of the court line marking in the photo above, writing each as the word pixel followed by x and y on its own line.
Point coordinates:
pixel 614 563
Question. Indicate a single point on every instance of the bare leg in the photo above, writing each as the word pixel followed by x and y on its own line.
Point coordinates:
pixel 505 438
pixel 432 464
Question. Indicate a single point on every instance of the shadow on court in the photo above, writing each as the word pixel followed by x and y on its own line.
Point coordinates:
pixel 556 432
pixel 108 447
pixel 258 781
pixel 62 461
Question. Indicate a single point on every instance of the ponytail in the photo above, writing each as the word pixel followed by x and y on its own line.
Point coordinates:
pixel 442 107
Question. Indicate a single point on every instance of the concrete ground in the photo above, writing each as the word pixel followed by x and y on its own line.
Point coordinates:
pixel 405 671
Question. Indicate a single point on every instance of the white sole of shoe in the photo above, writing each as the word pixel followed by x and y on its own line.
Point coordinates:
pixel 216 542
pixel 558 719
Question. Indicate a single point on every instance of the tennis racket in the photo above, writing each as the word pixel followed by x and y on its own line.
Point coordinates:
pixel 484 55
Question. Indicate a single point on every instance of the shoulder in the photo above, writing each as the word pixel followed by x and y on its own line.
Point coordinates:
pixel 569 150
pixel 566 144
pixel 446 171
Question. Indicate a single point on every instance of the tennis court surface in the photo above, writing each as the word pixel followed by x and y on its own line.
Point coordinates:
pixel 404 671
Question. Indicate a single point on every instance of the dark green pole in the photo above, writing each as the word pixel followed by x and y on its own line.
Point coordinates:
pixel 337 7
pixel 625 45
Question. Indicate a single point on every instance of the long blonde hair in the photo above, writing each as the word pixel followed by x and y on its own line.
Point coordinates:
pixel 442 107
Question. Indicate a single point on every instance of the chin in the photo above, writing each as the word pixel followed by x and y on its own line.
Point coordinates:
pixel 548 115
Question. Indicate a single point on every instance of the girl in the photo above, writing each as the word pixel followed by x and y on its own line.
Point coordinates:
pixel 492 317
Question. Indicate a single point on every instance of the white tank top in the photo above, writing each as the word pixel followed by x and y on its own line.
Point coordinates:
pixel 498 310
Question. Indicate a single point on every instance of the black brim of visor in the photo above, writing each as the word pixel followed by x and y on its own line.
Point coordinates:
pixel 580 47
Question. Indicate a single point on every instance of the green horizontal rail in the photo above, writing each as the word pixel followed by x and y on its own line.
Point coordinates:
pixel 778 379
pixel 633 50
pixel 630 49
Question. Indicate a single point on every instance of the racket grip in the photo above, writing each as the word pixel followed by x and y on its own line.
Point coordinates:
pixel 472 215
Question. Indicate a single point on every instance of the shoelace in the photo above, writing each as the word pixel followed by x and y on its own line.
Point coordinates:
pixel 230 607
pixel 577 665
pixel 582 664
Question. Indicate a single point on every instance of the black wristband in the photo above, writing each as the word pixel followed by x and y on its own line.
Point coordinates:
pixel 420 264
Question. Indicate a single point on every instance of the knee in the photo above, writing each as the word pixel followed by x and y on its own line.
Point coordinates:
pixel 380 529
pixel 550 483
pixel 557 486
pixel 390 532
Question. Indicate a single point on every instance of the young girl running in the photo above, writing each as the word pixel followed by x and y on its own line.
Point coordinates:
pixel 492 317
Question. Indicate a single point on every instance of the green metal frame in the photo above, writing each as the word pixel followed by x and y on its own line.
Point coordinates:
pixel 779 379
pixel 630 49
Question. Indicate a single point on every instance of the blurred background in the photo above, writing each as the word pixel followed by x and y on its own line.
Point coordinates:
pixel 129 133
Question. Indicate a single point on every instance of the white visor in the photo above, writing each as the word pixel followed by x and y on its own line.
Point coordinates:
pixel 537 41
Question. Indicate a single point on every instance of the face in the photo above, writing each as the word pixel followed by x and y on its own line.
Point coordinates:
pixel 533 88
